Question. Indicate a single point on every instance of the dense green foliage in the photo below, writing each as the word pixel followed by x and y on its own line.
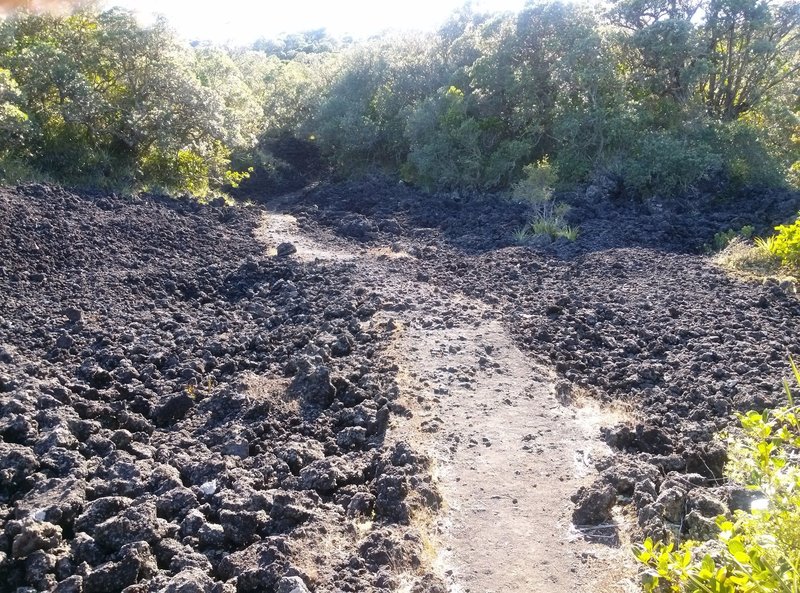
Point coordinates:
pixel 672 95
pixel 757 551
pixel 785 245
pixel 98 99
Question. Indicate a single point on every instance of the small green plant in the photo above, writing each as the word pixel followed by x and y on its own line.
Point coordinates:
pixel 724 238
pixel 569 233
pixel 553 227
pixel 757 551
pixel 201 388
pixel 536 189
pixel 538 183
pixel 521 235
pixel 786 244
pixel 764 244
pixel 545 226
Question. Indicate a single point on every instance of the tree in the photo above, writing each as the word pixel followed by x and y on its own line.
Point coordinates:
pixel 243 115
pixel 729 55
pixel 753 48
pixel 288 47
pixel 113 103
pixel 362 121
pixel 12 119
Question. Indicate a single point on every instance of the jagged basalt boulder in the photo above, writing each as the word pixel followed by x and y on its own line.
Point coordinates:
pixel 593 504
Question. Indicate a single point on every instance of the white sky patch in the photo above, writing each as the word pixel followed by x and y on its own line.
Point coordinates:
pixel 244 21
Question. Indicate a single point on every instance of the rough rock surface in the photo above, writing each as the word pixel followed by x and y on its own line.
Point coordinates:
pixel 631 312
pixel 180 412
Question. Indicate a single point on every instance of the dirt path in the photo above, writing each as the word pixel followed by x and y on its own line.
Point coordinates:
pixel 508 453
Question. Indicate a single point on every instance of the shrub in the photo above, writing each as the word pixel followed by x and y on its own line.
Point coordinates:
pixel 757 551
pixel 786 244
pixel 724 238
pixel 95 98
pixel 538 184
pixel 794 174
pixel 362 120
pixel 445 147
pixel 536 189
pixel 668 163
pixel 186 170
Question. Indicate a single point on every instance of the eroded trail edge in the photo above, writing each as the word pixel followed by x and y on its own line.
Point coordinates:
pixel 509 447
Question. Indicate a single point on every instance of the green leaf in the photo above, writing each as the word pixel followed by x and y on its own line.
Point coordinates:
pixel 739 579
pixel 707 567
pixel 722 575
pixel 687 559
pixel 738 551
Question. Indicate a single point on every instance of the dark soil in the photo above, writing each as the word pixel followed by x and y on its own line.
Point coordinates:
pixel 180 413
pixel 629 313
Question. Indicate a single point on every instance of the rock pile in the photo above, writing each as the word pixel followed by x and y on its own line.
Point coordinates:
pixel 179 412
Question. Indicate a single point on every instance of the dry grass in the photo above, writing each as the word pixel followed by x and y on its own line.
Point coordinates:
pixel 751 262
pixel 272 390
pixel 390 252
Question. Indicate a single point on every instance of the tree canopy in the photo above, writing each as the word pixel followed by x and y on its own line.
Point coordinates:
pixel 669 94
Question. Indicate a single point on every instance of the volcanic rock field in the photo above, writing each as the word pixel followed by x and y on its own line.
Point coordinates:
pixel 183 411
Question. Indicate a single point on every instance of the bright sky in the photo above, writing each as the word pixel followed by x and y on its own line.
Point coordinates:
pixel 243 21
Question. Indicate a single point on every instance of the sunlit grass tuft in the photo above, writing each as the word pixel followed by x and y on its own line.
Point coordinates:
pixel 751 260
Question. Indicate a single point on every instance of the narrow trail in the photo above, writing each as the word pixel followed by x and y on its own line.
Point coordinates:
pixel 508 452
